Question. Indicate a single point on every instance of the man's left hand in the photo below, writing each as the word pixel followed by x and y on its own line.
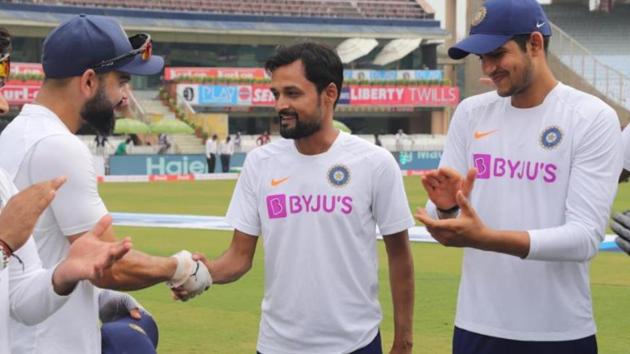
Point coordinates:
pixel 467 230
pixel 89 257
pixel 113 305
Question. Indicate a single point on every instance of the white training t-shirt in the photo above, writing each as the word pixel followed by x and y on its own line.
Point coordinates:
pixel 40 147
pixel 550 170
pixel 625 135
pixel 26 291
pixel 317 216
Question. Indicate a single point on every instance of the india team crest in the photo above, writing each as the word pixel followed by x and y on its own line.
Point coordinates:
pixel 339 176
pixel 479 17
pixel 551 137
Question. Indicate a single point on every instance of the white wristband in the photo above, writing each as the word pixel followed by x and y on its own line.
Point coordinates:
pixel 185 265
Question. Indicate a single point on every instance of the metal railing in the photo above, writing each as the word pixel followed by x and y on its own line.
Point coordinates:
pixel 608 81
pixel 135 108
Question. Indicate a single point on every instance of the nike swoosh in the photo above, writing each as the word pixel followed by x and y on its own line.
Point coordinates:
pixel 277 182
pixel 481 135
pixel 538 25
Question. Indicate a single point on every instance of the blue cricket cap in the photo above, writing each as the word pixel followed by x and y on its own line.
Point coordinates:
pixel 497 21
pixel 84 41
pixel 129 336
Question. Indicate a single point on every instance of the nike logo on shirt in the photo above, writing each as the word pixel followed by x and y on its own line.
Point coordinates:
pixel 481 135
pixel 277 182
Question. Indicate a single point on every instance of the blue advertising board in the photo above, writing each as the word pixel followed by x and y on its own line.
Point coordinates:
pixel 197 163
pixel 166 164
pixel 213 95
pixel 418 160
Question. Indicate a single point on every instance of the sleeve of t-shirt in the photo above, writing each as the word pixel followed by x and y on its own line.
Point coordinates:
pixel 455 150
pixel 597 162
pixel 390 206
pixel 625 135
pixel 77 205
pixel 31 294
pixel 242 213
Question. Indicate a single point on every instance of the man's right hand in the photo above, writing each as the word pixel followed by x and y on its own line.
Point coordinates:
pixel 20 214
pixel 443 184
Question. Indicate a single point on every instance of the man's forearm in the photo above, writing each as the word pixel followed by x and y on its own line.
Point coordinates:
pixel 402 287
pixel 515 243
pixel 137 270
pixel 227 269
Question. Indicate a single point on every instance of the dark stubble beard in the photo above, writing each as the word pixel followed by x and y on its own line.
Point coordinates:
pixel 524 84
pixel 98 111
pixel 301 129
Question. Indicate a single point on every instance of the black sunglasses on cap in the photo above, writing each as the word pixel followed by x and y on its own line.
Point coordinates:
pixel 141 44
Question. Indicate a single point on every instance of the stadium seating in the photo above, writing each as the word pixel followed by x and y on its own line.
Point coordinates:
pixel 602 34
pixel 385 9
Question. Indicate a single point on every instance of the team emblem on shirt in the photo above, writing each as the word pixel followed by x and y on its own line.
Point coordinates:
pixel 551 137
pixel 339 175
pixel 481 14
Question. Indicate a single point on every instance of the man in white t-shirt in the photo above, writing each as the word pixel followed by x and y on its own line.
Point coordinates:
pixel 87 61
pixel 544 159
pixel 212 146
pixel 316 199
pixel 29 293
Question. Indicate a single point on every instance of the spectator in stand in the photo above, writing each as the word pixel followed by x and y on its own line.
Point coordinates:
pixel 263 139
pixel 164 144
pixel 226 149
pixel 237 142
pixel 121 149
pixel 100 141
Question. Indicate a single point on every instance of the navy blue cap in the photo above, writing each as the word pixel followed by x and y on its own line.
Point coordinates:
pixel 497 21
pixel 84 41
pixel 129 336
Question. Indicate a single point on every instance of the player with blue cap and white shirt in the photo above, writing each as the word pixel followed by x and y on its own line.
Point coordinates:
pixel 29 293
pixel 87 61
pixel 525 184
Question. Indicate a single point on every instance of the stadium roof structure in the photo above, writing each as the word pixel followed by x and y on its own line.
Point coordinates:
pixel 38 20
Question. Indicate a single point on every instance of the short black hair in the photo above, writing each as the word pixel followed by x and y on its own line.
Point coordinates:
pixel 5 40
pixel 322 65
pixel 522 39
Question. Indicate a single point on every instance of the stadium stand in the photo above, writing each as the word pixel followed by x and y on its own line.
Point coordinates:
pixel 391 9
pixel 589 43
pixel 602 35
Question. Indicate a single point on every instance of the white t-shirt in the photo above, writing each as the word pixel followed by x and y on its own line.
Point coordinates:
pixel 317 216
pixel 226 148
pixel 40 147
pixel 626 147
pixel 550 170
pixel 211 147
pixel 26 291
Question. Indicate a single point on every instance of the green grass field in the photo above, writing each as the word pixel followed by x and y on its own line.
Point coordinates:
pixel 225 319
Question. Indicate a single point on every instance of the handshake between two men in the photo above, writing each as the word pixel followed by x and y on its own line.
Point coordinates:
pixel 191 277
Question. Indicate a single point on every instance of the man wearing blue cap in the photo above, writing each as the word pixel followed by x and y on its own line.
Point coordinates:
pixel 29 293
pixel 544 159
pixel 87 61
